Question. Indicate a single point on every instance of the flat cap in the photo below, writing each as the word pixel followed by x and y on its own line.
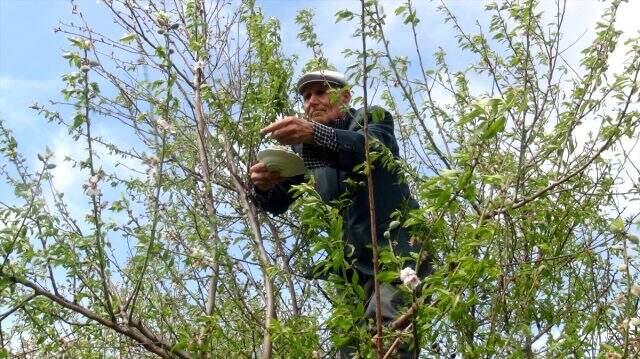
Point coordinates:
pixel 327 76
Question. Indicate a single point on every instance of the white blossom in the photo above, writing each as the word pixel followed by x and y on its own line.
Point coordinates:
pixel 151 161
pixel 635 322
pixel 164 125
pixel 93 180
pixel 622 267
pixel 617 246
pixel 409 278
pixel 152 172
pixel 199 170
pixel 92 190
pixel 198 65
pixel 635 290
pixel 625 324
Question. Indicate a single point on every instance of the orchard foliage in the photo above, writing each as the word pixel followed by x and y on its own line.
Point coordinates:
pixel 521 211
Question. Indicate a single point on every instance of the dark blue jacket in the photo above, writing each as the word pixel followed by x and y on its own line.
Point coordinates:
pixel 389 193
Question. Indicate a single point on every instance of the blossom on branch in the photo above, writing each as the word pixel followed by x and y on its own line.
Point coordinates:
pixel 91 187
pixel 165 126
pixel 409 278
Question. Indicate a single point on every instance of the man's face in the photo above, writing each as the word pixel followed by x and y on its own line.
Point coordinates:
pixel 322 105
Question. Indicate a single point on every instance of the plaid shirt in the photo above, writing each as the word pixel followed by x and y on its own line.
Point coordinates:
pixel 322 153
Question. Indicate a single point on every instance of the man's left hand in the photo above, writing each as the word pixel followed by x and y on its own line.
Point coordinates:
pixel 290 130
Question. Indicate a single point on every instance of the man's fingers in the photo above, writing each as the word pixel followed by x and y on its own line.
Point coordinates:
pixel 287 136
pixel 280 133
pixel 283 123
pixel 258 167
pixel 268 129
pixel 274 126
pixel 260 173
pixel 265 176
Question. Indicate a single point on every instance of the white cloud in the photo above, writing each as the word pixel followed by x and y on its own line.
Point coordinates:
pixel 68 178
pixel 17 94
pixel 65 177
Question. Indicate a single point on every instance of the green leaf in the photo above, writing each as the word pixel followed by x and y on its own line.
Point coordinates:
pixel 344 15
pixel 369 67
pixel 493 129
pixel 471 115
pixel 400 10
pixel 78 120
pixel 80 43
pixel 617 226
pixel 412 18
pixel 377 114
pixel 127 38
pixel 181 345
pixel 387 276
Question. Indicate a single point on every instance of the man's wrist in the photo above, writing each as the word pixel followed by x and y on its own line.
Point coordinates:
pixel 309 137
pixel 325 136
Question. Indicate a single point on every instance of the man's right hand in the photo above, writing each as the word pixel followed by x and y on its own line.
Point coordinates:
pixel 264 179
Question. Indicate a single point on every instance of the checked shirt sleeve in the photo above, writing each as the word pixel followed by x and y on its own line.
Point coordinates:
pixel 322 152
pixel 325 136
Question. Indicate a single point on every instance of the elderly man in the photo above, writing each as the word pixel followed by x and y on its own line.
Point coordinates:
pixel 331 143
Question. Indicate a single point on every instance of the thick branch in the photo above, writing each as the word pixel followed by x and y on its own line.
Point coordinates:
pixel 157 347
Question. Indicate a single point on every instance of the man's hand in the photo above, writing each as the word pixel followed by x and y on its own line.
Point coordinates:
pixel 290 130
pixel 262 178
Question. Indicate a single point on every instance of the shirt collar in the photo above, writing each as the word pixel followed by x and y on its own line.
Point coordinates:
pixel 343 122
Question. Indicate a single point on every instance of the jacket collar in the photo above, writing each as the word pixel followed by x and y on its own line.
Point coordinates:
pixel 349 118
